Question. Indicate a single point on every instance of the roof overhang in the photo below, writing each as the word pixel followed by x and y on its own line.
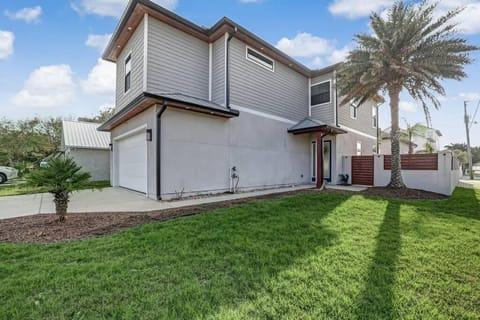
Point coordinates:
pixel 309 125
pixel 146 100
pixel 136 10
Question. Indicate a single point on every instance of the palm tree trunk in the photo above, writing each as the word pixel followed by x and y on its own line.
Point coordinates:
pixel 61 205
pixel 396 180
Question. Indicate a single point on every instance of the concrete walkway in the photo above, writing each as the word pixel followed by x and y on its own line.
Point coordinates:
pixel 113 200
pixel 469 184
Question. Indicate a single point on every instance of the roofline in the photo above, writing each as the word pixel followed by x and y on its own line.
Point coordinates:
pixel 146 95
pixel 208 33
pixel 84 147
pixel 332 129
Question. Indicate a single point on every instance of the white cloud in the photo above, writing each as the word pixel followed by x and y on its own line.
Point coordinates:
pixel 320 51
pixel 101 79
pixel 408 106
pixel 305 45
pixel 112 8
pixel 47 86
pixel 353 9
pixel 98 41
pixel 6 44
pixel 467 20
pixel 26 14
pixel 469 96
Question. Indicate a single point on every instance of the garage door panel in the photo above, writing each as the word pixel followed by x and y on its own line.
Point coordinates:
pixel 132 162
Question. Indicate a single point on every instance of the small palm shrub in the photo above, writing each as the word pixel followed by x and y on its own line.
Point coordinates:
pixel 61 176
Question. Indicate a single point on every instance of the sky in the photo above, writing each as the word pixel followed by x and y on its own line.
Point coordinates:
pixel 50 51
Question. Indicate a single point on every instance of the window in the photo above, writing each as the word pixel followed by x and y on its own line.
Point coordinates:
pixel 359 148
pixel 353 110
pixel 128 72
pixel 320 93
pixel 260 59
pixel 374 149
pixel 374 117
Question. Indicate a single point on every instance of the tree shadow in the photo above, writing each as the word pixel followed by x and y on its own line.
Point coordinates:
pixel 196 265
pixel 377 299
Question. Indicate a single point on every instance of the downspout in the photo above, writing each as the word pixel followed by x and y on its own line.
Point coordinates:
pixel 159 146
pixel 336 96
pixel 227 62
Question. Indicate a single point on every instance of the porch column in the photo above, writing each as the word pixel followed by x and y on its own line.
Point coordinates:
pixel 319 159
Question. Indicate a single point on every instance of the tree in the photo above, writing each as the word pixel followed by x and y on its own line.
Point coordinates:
pixel 411 50
pixel 104 115
pixel 417 129
pixel 61 176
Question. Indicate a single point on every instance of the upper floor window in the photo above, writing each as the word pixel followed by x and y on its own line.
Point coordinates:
pixel 359 148
pixel 374 117
pixel 128 72
pixel 353 110
pixel 260 59
pixel 320 93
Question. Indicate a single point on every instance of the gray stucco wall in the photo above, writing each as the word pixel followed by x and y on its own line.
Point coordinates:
pixel 177 61
pixel 96 162
pixel 148 118
pixel 283 92
pixel 135 47
pixel 198 151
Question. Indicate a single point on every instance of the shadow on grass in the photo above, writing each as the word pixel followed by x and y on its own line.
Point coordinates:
pixel 182 269
pixel 377 299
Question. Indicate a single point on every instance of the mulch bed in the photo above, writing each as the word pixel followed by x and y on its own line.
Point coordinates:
pixel 44 228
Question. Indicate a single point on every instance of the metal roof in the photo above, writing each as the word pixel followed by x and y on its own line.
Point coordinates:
pixel 310 125
pixel 84 135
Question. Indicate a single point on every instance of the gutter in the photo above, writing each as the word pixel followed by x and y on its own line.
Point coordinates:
pixel 159 151
pixel 227 62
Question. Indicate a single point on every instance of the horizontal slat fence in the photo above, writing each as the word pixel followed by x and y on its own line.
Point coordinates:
pixel 414 162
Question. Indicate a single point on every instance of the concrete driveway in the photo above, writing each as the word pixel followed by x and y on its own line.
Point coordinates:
pixel 469 184
pixel 112 200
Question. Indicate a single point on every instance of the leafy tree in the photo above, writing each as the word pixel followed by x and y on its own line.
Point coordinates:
pixel 412 50
pixel 61 176
pixel 103 116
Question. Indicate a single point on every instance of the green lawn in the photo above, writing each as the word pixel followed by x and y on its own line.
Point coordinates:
pixel 14 190
pixel 314 256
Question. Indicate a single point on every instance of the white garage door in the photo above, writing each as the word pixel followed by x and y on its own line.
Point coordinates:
pixel 132 162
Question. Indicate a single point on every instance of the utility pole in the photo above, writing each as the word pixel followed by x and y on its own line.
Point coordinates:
pixel 469 150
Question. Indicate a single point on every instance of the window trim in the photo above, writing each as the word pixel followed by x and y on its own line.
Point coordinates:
pixel 355 112
pixel 257 62
pixel 129 55
pixel 330 93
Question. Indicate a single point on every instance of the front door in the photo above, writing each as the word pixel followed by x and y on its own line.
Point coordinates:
pixel 327 160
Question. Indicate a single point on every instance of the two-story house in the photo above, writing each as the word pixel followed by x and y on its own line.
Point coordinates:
pixel 207 110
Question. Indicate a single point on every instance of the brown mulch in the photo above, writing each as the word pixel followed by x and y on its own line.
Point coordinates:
pixel 44 228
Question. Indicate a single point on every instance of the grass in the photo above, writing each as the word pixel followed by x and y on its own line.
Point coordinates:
pixel 19 189
pixel 315 256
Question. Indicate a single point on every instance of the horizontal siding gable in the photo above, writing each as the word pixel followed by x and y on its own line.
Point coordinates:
pixel 325 112
pixel 135 47
pixel 283 92
pixel 177 61
pixel 218 71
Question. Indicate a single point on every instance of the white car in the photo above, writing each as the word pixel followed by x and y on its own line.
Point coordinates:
pixel 7 173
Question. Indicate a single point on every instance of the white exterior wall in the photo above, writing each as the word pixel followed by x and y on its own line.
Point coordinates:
pixel 199 150
pixel 94 161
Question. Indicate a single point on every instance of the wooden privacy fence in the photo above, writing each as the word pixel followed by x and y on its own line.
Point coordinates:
pixel 414 162
pixel 362 170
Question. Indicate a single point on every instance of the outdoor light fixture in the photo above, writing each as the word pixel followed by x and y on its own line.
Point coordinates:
pixel 111 146
pixel 149 134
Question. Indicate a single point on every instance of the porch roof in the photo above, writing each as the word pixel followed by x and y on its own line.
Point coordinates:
pixel 308 125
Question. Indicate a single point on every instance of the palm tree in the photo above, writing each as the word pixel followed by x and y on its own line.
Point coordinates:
pixel 411 50
pixel 61 176
pixel 418 129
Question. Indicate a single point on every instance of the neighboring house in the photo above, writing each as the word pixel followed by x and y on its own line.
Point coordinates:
pixel 88 147
pixel 431 138
pixel 386 146
pixel 196 106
